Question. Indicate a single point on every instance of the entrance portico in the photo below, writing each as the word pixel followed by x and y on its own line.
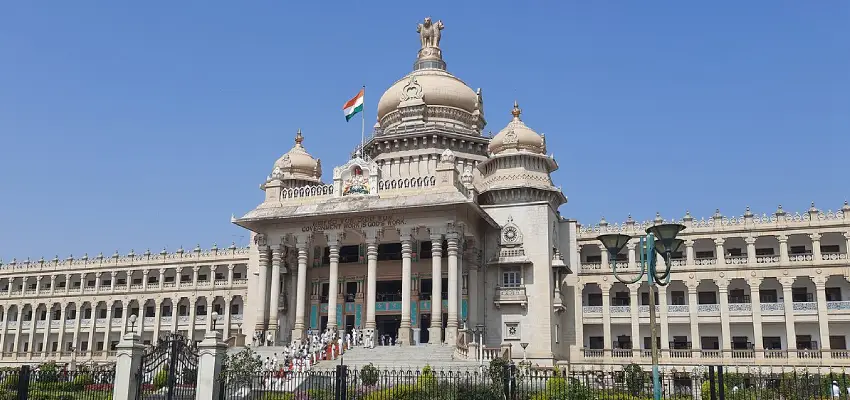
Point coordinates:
pixel 330 295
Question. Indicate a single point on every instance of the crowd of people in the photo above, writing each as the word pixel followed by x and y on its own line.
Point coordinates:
pixel 327 346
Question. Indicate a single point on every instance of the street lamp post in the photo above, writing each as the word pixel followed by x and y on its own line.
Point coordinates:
pixel 659 239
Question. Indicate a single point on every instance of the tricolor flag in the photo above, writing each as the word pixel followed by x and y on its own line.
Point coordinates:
pixel 354 105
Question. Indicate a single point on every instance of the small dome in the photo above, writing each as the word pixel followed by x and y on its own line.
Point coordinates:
pixel 516 137
pixel 298 164
pixel 435 87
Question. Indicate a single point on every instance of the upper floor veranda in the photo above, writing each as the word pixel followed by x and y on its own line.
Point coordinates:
pixel 782 239
pixel 182 269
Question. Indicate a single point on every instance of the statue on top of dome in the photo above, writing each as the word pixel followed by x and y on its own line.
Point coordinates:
pixel 429 33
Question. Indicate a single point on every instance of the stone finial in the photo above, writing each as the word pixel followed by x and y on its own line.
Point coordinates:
pixel 466 177
pixel 197 248
pixel 214 247
pixel 41 260
pixel 70 258
pixel 180 250
pixel 630 220
pixel 298 138
pixel 748 213
pixel 779 211
pixel 85 257
pixel 813 209
pixel 56 259
pixel 100 256
pixel 27 262
pixel 688 216
pixel 147 253
pixel 131 254
pixel 232 246
pixel 116 255
pixel 448 156
pixel 164 252
pixel 429 33
pixel 658 219
pixel 846 207
pixel 603 222
pixel 717 214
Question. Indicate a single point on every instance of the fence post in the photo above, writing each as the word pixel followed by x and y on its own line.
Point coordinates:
pixel 23 382
pixel 211 352
pixel 340 382
pixel 127 365
pixel 512 381
pixel 711 387
pixel 720 382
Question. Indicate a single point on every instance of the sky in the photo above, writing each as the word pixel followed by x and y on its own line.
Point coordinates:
pixel 135 125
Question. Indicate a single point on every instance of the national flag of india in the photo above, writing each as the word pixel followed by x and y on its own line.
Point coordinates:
pixel 354 105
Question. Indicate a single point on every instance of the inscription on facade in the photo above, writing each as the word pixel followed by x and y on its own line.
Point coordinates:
pixel 380 221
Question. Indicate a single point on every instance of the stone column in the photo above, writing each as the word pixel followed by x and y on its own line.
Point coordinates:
pixel 472 290
pixel 755 306
pixel 719 252
pixel 405 334
pixel 228 303
pixel 608 344
pixel 262 283
pixel 127 364
pixel 274 292
pixel 435 332
pixel 371 278
pixel 664 321
pixel 115 278
pixel 816 254
pixel 751 251
pixel 157 315
pixel 725 329
pixel 823 317
pixel 53 284
pixel 634 309
pixel 605 256
pixel 689 252
pixel 632 255
pixel 333 239
pixel 790 328
pixel 211 353
pixel 46 336
pixel 693 307
pixel 195 271
pixel 230 268
pixel 301 243
pixel 107 331
pixel 783 250
pixel 193 308
pixel 451 324
pixel 161 279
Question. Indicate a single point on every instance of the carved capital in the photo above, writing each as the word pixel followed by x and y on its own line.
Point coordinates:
pixel 333 237
pixel 719 241
pixel 405 233
pixel 260 240
pixel 689 243
pixel 631 245
pixel 750 240
pixel 302 241
pixel 231 267
pixel 815 237
pixel 782 238
pixel 722 283
pixel 372 235
pixel 787 282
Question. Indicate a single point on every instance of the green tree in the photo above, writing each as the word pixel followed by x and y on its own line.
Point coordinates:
pixel 369 375
pixel 47 372
pixel 636 379
pixel 241 368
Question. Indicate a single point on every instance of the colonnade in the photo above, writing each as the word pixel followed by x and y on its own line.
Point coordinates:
pixel 271 261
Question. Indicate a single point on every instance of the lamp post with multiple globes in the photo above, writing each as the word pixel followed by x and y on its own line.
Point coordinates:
pixel 659 239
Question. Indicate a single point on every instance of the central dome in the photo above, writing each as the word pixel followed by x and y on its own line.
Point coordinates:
pixel 435 87
pixel 430 94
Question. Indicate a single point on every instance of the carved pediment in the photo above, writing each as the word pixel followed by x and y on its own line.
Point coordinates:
pixel 357 177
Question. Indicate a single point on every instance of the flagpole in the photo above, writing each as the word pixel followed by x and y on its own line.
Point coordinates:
pixel 363 124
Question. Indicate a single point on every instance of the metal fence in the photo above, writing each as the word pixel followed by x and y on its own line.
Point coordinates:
pixel 514 383
pixel 51 382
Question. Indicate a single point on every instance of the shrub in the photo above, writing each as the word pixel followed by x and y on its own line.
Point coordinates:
pixel 499 370
pixel 82 380
pixel 369 375
pixel 160 379
pixel 241 368
pixel 10 381
pixel 47 372
pixel 427 382
pixel 636 379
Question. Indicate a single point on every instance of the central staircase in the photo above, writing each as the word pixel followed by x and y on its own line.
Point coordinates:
pixel 439 357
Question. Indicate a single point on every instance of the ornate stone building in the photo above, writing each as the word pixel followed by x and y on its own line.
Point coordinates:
pixel 433 229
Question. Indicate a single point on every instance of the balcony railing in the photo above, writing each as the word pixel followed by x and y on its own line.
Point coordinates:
pixel 838 305
pixel 510 295
pixel 591 309
pixel 708 308
pixel 805 306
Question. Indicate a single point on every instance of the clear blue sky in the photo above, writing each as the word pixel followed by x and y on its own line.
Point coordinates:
pixel 134 125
